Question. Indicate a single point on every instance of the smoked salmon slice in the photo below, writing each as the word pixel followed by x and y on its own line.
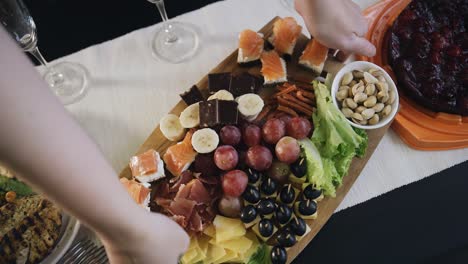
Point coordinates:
pixel 250 46
pixel 179 156
pixel 139 193
pixel 285 34
pixel 273 67
pixel 314 56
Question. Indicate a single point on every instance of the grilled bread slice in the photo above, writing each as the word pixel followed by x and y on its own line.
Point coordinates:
pixel 12 213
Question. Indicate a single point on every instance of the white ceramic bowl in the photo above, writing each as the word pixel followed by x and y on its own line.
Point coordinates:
pixel 364 65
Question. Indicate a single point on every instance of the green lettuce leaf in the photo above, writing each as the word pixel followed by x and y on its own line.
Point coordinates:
pixel 330 126
pixel 9 184
pixel 334 142
pixel 316 170
pixel 261 256
pixel 361 150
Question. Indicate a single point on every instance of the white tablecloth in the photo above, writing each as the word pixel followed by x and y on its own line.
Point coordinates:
pixel 130 91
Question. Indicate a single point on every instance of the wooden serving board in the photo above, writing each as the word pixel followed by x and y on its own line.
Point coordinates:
pixel 327 206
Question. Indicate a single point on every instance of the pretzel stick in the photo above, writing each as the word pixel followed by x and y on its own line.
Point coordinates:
pixel 308 94
pixel 295 106
pixel 302 98
pixel 287 110
pixel 284 86
pixel 264 112
pixel 297 101
pixel 287 90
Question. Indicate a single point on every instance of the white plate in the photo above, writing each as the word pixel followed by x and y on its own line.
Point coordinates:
pixel 68 232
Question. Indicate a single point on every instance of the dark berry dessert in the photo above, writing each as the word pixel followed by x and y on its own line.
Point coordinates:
pixel 428 51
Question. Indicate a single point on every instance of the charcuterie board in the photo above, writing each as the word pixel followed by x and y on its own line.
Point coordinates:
pixel 327 206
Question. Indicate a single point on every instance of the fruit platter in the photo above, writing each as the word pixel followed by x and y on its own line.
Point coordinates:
pixel 256 157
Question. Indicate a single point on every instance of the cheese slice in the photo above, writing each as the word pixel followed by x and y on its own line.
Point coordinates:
pixel 228 228
pixel 238 245
pixel 215 253
pixel 189 255
pixel 227 258
pixel 210 231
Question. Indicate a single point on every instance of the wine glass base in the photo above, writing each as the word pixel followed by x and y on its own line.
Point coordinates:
pixel 68 81
pixel 177 50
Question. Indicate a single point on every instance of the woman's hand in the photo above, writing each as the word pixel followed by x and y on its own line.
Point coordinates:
pixel 153 238
pixel 338 24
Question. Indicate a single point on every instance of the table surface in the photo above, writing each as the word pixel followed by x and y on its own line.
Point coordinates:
pixel 130 91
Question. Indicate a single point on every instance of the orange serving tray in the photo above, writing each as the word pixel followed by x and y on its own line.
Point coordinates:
pixel 418 127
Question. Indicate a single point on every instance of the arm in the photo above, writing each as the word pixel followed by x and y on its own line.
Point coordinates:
pixel 52 153
pixel 338 24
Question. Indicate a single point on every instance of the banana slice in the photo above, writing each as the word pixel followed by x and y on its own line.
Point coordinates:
pixel 190 117
pixel 222 95
pixel 171 128
pixel 250 105
pixel 205 140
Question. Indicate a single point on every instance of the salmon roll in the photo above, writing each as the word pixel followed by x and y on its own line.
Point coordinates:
pixel 180 156
pixel 273 68
pixel 147 167
pixel 286 31
pixel 139 192
pixel 250 46
pixel 314 56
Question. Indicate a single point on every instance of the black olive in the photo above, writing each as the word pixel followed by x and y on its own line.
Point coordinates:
pixel 278 255
pixel 268 186
pixel 254 176
pixel 283 214
pixel 287 194
pixel 251 194
pixel 288 229
pixel 307 207
pixel 298 226
pixel 299 168
pixel 311 193
pixel 266 206
pixel 265 227
pixel 286 239
pixel 248 214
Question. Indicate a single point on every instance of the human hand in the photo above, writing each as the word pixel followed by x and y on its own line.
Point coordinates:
pixel 337 24
pixel 154 238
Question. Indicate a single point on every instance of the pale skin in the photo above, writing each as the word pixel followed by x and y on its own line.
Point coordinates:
pixel 337 24
pixel 48 149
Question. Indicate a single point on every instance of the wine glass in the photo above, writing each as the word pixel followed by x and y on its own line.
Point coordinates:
pixel 66 79
pixel 288 3
pixel 175 42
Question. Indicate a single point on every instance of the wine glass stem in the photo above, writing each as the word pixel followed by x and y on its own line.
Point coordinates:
pixel 57 78
pixel 171 38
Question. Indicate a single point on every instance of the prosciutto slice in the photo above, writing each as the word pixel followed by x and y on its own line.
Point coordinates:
pixel 198 193
pixel 188 200
pixel 184 178
pixel 182 207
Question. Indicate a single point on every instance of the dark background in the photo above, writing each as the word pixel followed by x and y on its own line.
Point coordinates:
pixel 424 222
pixel 66 26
